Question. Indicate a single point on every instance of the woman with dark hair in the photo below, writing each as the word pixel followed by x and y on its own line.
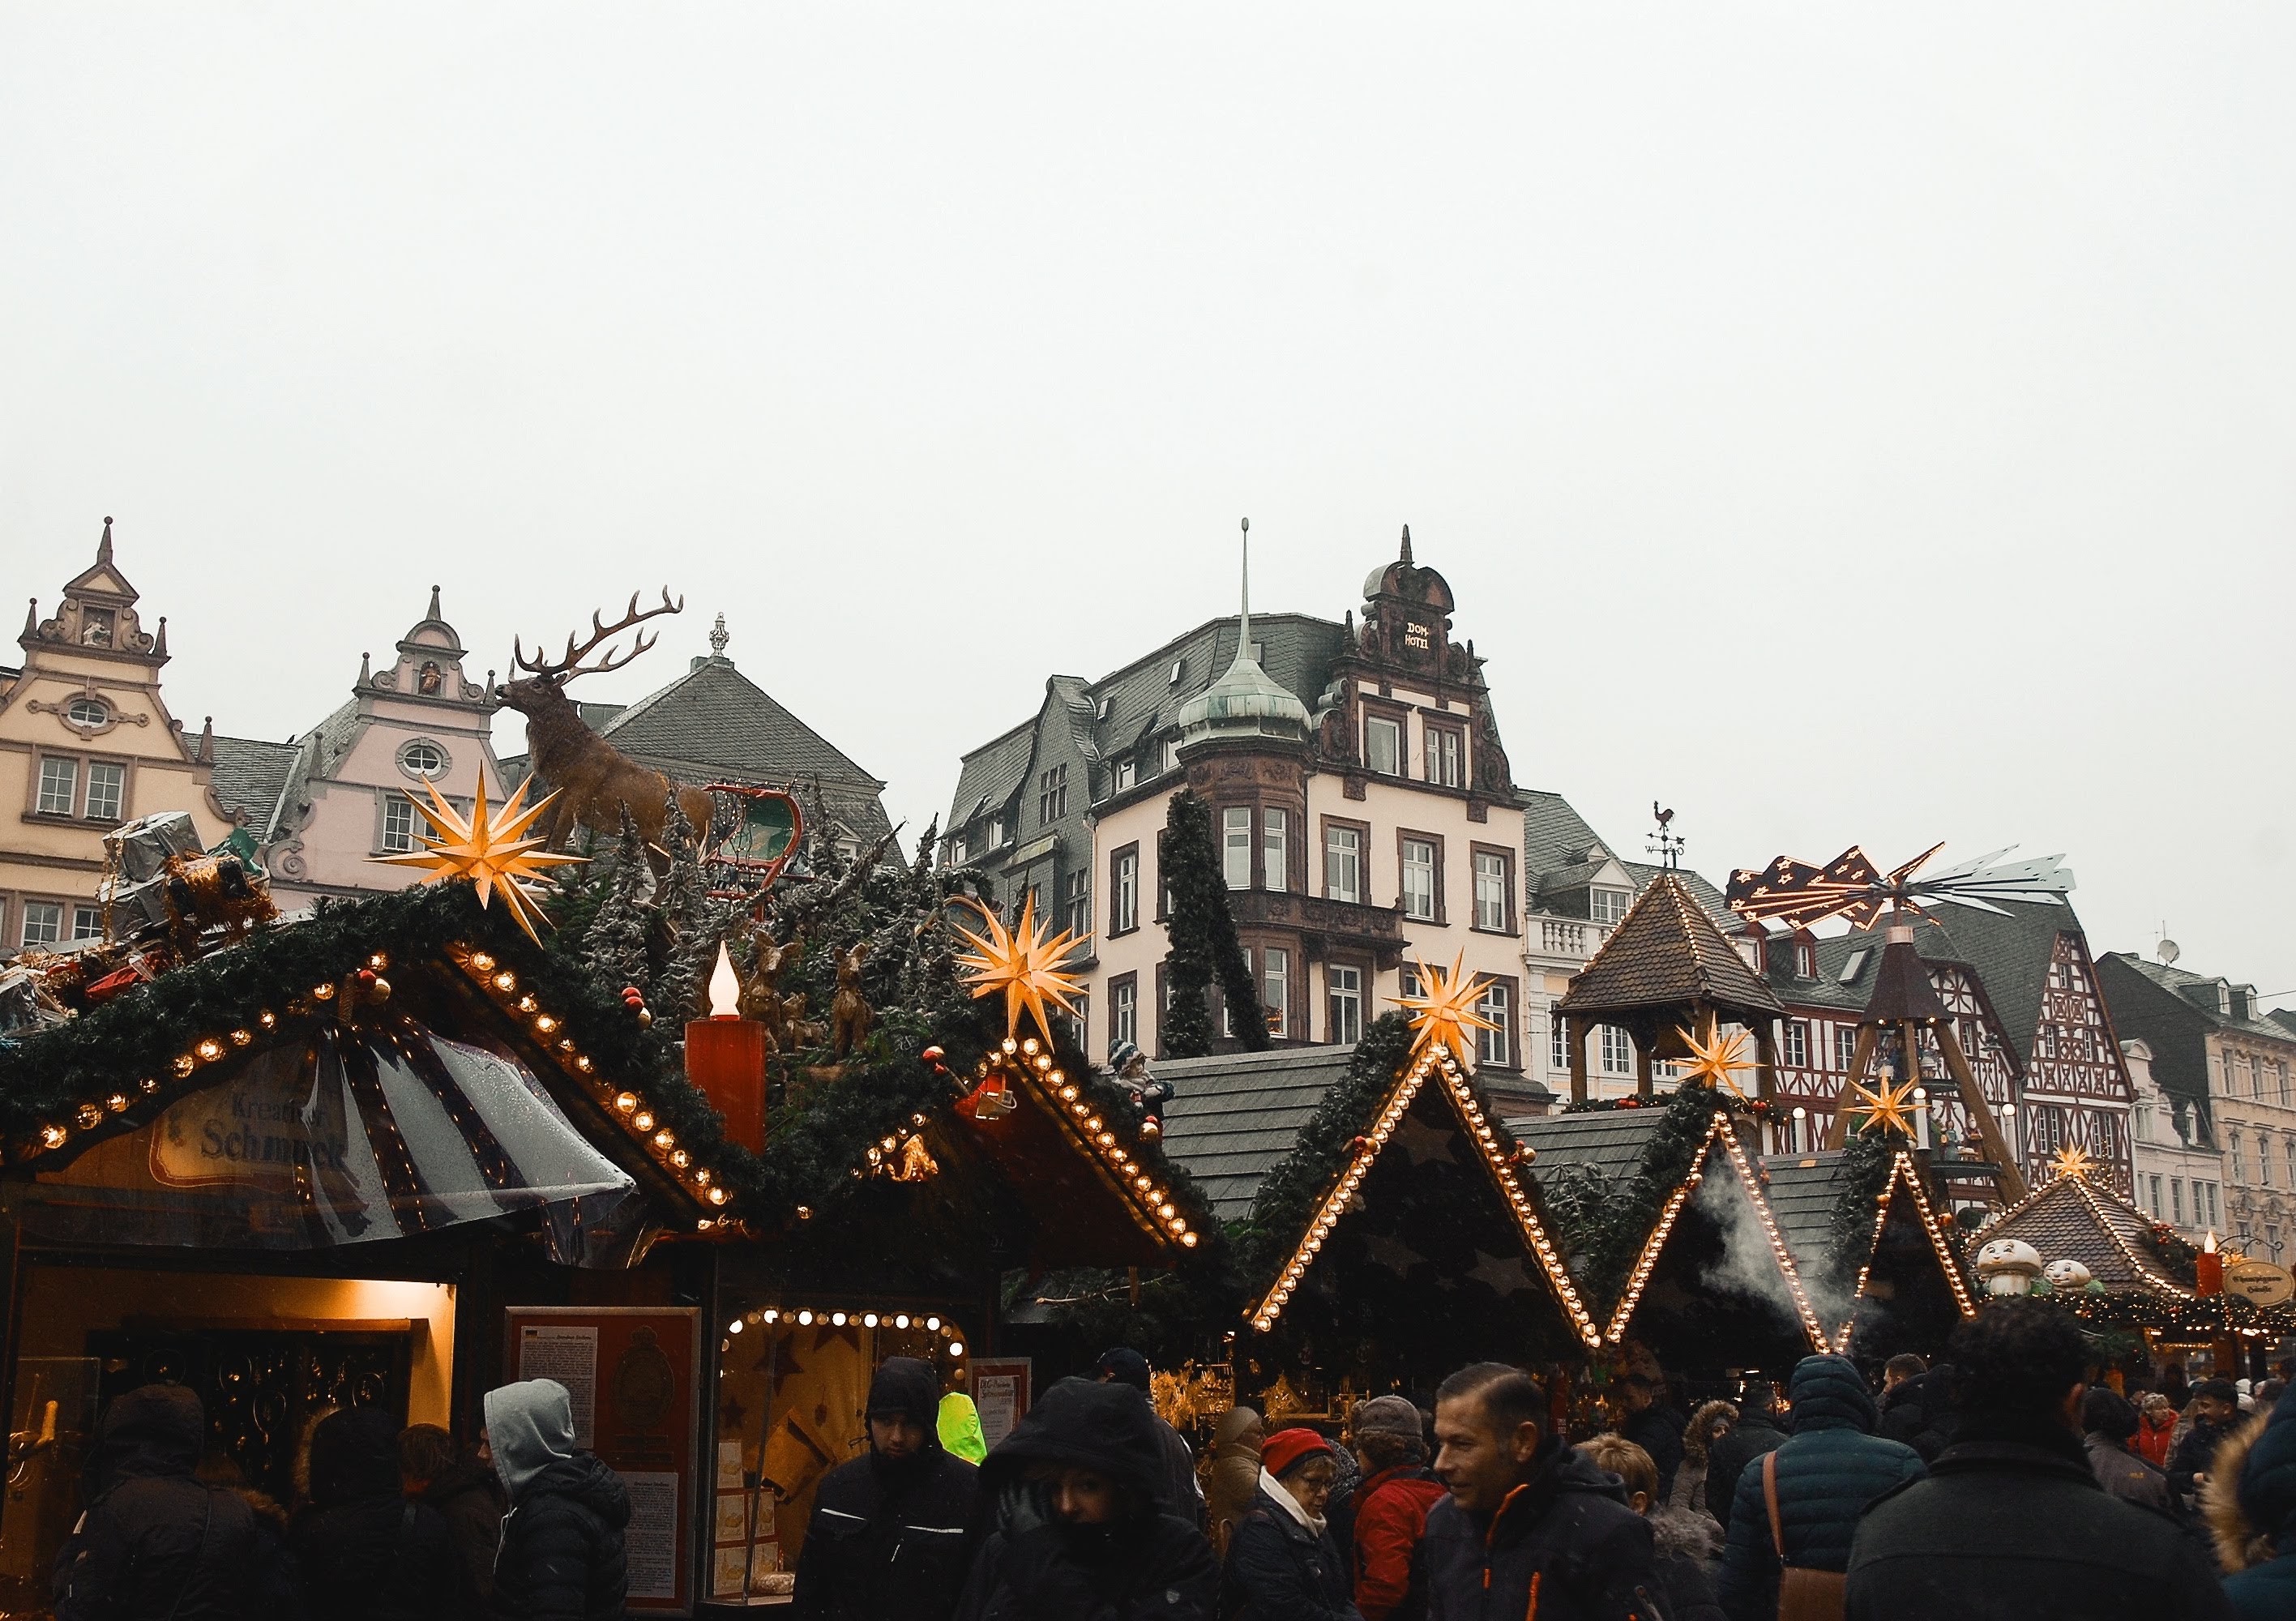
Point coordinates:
pixel 1080 1530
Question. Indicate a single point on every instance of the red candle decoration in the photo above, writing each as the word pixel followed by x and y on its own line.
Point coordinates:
pixel 2208 1269
pixel 725 1060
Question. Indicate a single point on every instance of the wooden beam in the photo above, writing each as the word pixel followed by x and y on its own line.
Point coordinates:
pixel 1837 1135
pixel 1643 1045
pixel 1575 1032
pixel 2009 1180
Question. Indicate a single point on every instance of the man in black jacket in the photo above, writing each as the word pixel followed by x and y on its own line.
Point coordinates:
pixel 1121 1364
pixel 2214 1410
pixel 888 1537
pixel 1917 1404
pixel 1756 1432
pixel 1530 1526
pixel 1655 1424
pixel 154 1541
pixel 562 1546
pixel 1081 1529
pixel 2011 1521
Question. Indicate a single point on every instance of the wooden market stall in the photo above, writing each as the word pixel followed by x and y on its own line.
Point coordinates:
pixel 1882 1267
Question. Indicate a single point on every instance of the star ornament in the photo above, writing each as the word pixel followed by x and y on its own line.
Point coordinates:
pixel 489 851
pixel 2072 1160
pixel 1444 1011
pixel 1717 1061
pixel 1025 963
pixel 1888 1107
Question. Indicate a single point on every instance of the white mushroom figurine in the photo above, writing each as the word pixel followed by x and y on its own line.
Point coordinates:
pixel 2008 1267
pixel 2066 1275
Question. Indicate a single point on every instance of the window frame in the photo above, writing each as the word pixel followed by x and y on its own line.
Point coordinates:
pixel 390 802
pixel 1404 838
pixel 1275 852
pixel 1400 719
pixel 105 714
pixel 1357 995
pixel 1280 1005
pixel 1239 819
pixel 118 811
pixel 1052 794
pixel 1362 832
pixel 1794 1049
pixel 1623 897
pixel 1430 733
pixel 407 769
pixel 1509 923
pixel 25 906
pixel 1123 909
pixel 1510 1032
pixel 1614 1037
pixel 1123 1009
pixel 1076 903
pixel 40 806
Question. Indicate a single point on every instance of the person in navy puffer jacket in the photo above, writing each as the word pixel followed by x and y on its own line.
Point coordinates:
pixel 2251 1502
pixel 1828 1470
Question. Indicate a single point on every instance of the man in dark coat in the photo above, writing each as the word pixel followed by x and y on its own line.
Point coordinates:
pixel 2107 1423
pixel 562 1556
pixel 2011 1521
pixel 1756 1432
pixel 433 1469
pixel 889 1532
pixel 154 1541
pixel 2215 1411
pixel 1832 1466
pixel 1185 1494
pixel 1917 1409
pixel 1530 1526
pixel 1080 1530
pixel 1655 1424
pixel 2251 1511
pixel 366 1553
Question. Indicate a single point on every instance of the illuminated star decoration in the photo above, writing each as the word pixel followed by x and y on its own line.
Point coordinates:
pixel 1444 1011
pixel 2072 1160
pixel 1716 1060
pixel 1023 963
pixel 1888 1107
pixel 488 851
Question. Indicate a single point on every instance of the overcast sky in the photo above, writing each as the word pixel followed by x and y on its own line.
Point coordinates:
pixel 1841 427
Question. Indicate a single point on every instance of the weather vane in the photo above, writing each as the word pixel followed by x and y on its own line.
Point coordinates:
pixel 1666 844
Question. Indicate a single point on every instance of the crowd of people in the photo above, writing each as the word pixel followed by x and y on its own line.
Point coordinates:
pixel 388 1524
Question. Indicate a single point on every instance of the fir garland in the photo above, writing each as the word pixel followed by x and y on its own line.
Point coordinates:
pixel 1603 1230
pixel 1202 930
pixel 1866 1165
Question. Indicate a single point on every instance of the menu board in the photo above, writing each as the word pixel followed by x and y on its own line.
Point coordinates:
pixel 635 1375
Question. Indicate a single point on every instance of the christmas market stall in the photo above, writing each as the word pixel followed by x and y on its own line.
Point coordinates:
pixel 1882 1267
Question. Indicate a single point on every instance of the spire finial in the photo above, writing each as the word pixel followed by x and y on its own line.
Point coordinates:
pixel 1243 629
pixel 367 671
pixel 1407 542
pixel 103 546
pixel 434 604
pixel 718 638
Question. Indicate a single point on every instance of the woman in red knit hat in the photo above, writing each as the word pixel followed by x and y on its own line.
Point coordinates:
pixel 1282 1560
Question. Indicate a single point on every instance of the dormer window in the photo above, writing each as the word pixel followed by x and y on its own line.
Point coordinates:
pixel 1806 959
pixel 995 831
pixel 957 851
pixel 1607 906
pixel 86 711
pixel 1128 772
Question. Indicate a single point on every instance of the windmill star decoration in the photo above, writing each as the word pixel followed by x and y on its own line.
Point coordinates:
pixel 1888 1107
pixel 489 851
pixel 1444 1011
pixel 1717 1060
pixel 1022 962
pixel 1851 887
pixel 2072 1160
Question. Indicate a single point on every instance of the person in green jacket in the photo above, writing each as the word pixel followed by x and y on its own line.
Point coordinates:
pixel 959 1423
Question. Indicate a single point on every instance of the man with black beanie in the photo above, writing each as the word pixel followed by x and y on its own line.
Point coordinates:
pixel 887 1539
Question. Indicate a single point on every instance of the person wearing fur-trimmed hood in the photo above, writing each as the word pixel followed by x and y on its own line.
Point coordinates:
pixel 2250 1502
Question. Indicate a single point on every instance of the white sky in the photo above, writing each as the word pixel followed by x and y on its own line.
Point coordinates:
pixel 1840 427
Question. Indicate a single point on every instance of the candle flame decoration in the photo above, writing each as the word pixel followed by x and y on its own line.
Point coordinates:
pixel 487 850
pixel 725 987
pixel 2210 1247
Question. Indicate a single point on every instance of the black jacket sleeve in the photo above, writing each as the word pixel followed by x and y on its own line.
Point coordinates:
pixel 89 1566
pixel 1264 1566
pixel 547 1547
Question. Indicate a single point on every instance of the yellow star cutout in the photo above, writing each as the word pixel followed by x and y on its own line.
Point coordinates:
pixel 1444 1011
pixel 488 851
pixel 1716 1060
pixel 1024 963
pixel 1888 1107
pixel 2072 1160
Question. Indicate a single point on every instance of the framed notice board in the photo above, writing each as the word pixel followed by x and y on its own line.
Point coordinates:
pixel 635 1375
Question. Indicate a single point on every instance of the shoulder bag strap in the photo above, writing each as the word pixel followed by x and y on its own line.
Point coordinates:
pixel 1770 1497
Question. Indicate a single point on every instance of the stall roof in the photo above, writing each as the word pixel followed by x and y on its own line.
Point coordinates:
pixel 1610 1140
pixel 1803 1193
pixel 1233 1118
pixel 2071 1218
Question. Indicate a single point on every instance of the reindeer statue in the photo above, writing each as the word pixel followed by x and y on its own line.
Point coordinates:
pixel 595 780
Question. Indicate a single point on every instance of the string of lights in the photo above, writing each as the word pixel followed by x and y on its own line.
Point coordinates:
pixel 839 1317
pixel 1902 1169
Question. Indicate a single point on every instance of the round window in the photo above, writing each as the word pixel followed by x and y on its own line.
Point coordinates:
pixel 85 711
pixel 422 759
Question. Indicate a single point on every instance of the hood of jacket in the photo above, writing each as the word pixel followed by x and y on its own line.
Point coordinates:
pixel 1829 1393
pixel 1109 1428
pixel 908 1387
pixel 1240 1428
pixel 2241 1540
pixel 1556 1468
pixel 1707 1423
pixel 530 1425
pixel 2267 1474
pixel 958 1423
pixel 156 1429
pixel 1683 1534
pixel 584 1479
pixel 354 1454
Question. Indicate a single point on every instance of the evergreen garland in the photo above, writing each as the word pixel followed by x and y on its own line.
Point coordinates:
pixel 1202 930
pixel 1603 1229
pixel 614 942
pixel 1866 1166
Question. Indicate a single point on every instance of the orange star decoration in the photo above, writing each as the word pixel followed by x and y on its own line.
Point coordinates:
pixel 1024 963
pixel 1716 1060
pixel 1444 1011
pixel 2072 1160
pixel 1888 1107
pixel 488 851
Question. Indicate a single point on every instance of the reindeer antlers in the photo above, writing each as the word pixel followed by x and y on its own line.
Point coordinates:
pixel 566 668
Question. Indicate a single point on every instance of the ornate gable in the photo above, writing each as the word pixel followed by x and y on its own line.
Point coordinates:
pixel 97 615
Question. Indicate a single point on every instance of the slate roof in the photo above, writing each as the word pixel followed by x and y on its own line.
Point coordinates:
pixel 2073 1218
pixel 1803 1193
pixel 288 775
pixel 1610 1140
pixel 1556 842
pixel 1667 951
pixel 1234 1117
pixel 249 774
pixel 2179 984
pixel 2285 1018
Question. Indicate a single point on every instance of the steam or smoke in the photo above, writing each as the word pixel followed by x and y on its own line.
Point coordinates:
pixel 1747 1268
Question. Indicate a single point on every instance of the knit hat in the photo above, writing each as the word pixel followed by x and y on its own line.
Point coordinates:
pixel 1287 1449
pixel 1122 1053
pixel 1392 1415
pixel 1125 1366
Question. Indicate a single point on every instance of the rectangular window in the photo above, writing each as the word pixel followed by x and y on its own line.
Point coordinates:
pixel 1492 890
pixel 2155 1183
pixel 398 823
pixel 2176 1201
pixel 1419 880
pixel 1080 1023
pixel 1495 1046
pixel 1227 1012
pixel 1797 1053
pixel 2239 1170
pixel 2215 1219
pixel 107 786
pixel 1383 745
pixel 1617 1052
pixel 1607 906
pixel 1172 754
pixel 1343 864
pixel 1446 752
pixel 995 831
pixel 958 851
pixel 44 923
pixel 1345 985
pixel 2263 1159
pixel 1052 795
pixel 1127 772
pixel 1276 988
pixel 1124 890
pixel 1235 846
pixel 1845 1047
pixel 1123 1009
pixel 1275 849
pixel 59 786
pixel 1558 1038
pixel 1079 903
pixel 88 924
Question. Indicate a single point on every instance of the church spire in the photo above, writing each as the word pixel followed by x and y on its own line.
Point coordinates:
pixel 1244 631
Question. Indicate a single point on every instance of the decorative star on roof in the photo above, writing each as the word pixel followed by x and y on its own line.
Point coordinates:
pixel 1024 963
pixel 1716 1060
pixel 488 851
pixel 1444 1011
pixel 1888 1107
pixel 2072 1160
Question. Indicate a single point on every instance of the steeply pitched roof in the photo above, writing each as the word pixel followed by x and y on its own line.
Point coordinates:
pixel 1610 1140
pixel 1667 951
pixel 249 774
pixel 2183 987
pixel 1553 835
pixel 2072 1219
pixel 1803 1194
pixel 1232 1116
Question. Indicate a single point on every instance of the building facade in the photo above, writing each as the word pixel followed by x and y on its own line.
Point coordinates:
pixel 1360 794
pixel 86 743
pixel 2228 1063
pixel 2180 1165
pixel 324 804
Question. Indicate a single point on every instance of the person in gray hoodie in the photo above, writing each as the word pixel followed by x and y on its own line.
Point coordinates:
pixel 562 1544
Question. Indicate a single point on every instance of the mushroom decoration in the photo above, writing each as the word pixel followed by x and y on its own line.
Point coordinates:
pixel 2008 1267
pixel 2067 1276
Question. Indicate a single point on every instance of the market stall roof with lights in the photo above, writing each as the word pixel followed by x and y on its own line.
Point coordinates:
pixel 2072 1218
pixel 1870 1245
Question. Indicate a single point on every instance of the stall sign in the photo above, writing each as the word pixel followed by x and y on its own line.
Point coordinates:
pixel 1000 1393
pixel 2260 1282
pixel 635 1376
pixel 255 1130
